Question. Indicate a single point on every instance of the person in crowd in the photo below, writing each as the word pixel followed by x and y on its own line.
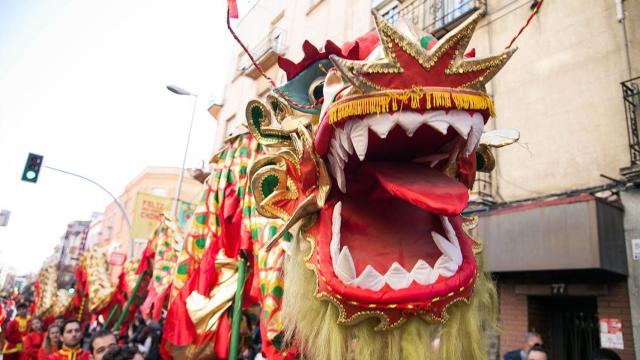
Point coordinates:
pixel 71 338
pixel 148 343
pixel 530 339
pixel 605 354
pixel 100 343
pixel 16 330
pixel 122 352
pixel 537 352
pixel 137 329
pixel 32 341
pixel 59 321
pixel 51 342
pixel 3 314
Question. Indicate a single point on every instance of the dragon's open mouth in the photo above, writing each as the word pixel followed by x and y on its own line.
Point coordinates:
pixel 393 224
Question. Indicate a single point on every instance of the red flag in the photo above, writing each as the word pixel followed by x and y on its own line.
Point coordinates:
pixel 221 345
pixel 233 9
pixel 178 327
pixel 146 261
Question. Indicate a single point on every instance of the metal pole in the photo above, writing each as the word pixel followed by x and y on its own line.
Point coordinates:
pixel 184 159
pixel 112 314
pixel 237 307
pixel 125 310
pixel 122 209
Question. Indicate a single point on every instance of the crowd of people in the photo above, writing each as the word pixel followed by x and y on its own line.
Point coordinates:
pixel 25 337
pixel 533 349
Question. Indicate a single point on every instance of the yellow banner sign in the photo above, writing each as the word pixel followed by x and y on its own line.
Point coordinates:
pixel 147 214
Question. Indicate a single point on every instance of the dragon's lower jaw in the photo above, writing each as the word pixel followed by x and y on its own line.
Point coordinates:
pixel 375 253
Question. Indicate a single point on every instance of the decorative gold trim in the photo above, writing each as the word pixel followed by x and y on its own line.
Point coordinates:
pixel 397 100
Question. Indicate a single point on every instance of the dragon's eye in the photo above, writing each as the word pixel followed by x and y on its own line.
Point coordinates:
pixel 316 89
pixel 485 162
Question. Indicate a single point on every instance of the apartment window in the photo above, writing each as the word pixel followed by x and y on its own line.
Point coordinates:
pixel 631 97
pixel 449 11
pixel 433 16
pixel 392 15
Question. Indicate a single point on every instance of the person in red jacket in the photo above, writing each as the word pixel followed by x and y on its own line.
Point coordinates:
pixel 71 338
pixel 32 341
pixel 16 330
pixel 51 342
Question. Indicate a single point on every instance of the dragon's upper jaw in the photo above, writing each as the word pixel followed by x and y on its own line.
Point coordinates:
pixel 395 219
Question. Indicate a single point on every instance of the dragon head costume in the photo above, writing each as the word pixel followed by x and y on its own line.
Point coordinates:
pixel 374 150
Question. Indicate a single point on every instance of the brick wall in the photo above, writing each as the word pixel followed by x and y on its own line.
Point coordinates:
pixel 513 317
pixel 616 305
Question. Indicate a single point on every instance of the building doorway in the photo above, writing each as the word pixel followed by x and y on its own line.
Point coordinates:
pixel 568 325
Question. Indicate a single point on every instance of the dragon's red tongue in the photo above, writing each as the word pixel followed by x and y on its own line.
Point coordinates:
pixel 421 186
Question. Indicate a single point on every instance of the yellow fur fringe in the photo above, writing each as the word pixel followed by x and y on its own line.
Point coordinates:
pixel 311 324
pixel 394 101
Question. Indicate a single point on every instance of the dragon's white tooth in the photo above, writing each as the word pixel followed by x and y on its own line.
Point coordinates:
pixel 336 168
pixel 339 149
pixel 342 182
pixel 345 269
pixel 347 127
pixel 410 121
pixel 447 247
pixel 369 279
pixel 397 277
pixel 440 125
pixel 460 121
pixel 334 165
pixel 477 125
pixel 345 142
pixel 423 273
pixel 451 234
pixel 437 120
pixel 360 138
pixel 445 266
pixel 381 124
pixel 336 223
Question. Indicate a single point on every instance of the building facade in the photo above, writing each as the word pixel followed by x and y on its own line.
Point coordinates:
pixel 560 214
pixel 160 182
pixel 72 245
pixel 95 230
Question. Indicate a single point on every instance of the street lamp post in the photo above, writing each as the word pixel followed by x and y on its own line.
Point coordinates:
pixel 115 200
pixel 180 91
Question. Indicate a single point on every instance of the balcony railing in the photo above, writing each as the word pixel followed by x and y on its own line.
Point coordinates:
pixel 482 192
pixel 265 52
pixel 437 17
pixel 631 97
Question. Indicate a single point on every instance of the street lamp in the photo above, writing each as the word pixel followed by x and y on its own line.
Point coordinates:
pixel 180 91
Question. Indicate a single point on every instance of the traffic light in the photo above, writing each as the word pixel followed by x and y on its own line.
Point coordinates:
pixel 32 168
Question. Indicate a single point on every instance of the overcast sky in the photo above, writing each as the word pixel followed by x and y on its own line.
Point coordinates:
pixel 83 83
